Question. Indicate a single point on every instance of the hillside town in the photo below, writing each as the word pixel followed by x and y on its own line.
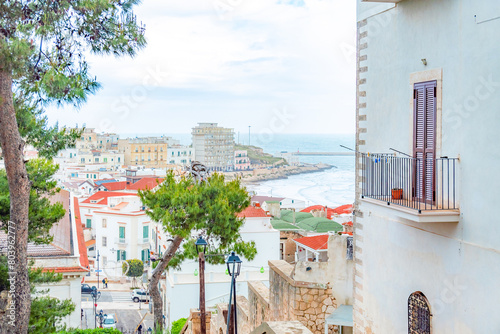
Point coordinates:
pixel 104 233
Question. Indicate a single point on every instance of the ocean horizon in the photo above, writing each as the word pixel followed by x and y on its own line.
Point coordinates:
pixel 332 187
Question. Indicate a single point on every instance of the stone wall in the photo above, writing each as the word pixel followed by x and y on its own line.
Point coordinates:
pixel 218 324
pixel 258 299
pixel 306 302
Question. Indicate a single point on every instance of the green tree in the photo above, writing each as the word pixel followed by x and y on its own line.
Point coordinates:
pixel 42 60
pixel 133 268
pixel 184 206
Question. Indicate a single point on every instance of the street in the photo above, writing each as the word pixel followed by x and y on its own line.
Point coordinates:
pixel 128 314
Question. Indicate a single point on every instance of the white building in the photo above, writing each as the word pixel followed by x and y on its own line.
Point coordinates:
pixel 180 155
pixel 182 287
pixel 213 146
pixel 427 241
pixel 120 227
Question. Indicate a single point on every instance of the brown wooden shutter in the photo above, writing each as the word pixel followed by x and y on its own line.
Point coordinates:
pixel 424 141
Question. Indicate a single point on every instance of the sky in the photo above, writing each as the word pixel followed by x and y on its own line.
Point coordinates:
pixel 279 66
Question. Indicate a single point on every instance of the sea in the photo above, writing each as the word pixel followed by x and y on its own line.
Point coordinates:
pixel 332 187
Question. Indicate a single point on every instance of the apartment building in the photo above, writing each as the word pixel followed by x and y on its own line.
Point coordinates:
pixel 241 160
pixel 119 226
pixel 146 151
pixel 214 146
pixel 180 155
pixel 427 245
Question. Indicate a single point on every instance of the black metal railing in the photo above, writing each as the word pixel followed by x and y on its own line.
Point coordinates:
pixel 420 184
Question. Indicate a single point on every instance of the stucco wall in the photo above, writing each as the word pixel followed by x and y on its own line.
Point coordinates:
pixel 454 265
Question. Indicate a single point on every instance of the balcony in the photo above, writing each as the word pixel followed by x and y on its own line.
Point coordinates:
pixel 422 190
pixel 120 241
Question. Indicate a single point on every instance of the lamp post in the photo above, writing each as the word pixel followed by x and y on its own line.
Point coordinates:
pixel 201 247
pixel 101 315
pixel 233 263
pixel 95 297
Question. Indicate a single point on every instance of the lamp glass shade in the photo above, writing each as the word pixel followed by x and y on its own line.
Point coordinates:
pixel 196 272
pixel 201 244
pixel 235 261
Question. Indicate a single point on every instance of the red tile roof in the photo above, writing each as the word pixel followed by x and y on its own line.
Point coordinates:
pixel 252 212
pixel 343 209
pixel 145 183
pixel 89 242
pixel 82 248
pixel 102 197
pixel 329 211
pixel 348 224
pixel 317 242
pixel 114 186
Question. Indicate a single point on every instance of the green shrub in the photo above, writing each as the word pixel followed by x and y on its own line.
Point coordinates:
pixel 177 325
pixel 91 331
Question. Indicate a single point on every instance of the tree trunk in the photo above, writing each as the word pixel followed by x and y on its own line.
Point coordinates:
pixel 19 188
pixel 154 292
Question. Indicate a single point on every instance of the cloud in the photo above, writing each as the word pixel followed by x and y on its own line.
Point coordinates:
pixel 230 60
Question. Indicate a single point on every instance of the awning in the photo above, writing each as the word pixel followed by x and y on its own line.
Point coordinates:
pixel 342 316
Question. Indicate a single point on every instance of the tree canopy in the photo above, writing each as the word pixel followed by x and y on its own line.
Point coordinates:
pixel 185 207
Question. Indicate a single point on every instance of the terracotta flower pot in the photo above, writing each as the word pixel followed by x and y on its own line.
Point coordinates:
pixel 397 193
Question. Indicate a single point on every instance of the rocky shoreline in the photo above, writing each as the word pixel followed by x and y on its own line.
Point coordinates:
pixel 276 173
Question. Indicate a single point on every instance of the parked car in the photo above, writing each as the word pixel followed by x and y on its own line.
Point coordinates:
pixel 139 295
pixel 109 321
pixel 87 288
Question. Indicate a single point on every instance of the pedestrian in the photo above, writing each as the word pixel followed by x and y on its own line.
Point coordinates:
pixel 106 281
pixel 139 329
pixel 103 283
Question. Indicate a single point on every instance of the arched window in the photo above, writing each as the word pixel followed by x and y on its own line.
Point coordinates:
pixel 419 314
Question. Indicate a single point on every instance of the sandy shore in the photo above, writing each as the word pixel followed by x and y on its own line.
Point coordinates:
pixel 265 174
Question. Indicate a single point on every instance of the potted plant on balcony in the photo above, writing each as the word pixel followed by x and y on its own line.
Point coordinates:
pixel 397 193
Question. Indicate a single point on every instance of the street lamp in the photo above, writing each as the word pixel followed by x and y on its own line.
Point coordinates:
pixel 233 263
pixel 95 297
pixel 201 248
pixel 101 317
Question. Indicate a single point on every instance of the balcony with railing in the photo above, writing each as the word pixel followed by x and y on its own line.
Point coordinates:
pixel 423 190
pixel 121 241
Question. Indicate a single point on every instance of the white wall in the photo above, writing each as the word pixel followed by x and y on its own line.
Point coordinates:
pixel 454 264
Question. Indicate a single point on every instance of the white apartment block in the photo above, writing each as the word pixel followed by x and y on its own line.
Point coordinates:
pixel 120 227
pixel 180 155
pixel 214 146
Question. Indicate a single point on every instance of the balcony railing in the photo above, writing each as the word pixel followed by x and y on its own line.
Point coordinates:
pixel 120 241
pixel 420 184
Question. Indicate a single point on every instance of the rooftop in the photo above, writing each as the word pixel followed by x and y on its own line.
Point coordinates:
pixel 252 212
pixel 318 242
pixel 320 225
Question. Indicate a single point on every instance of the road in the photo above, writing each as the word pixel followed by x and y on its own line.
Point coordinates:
pixel 128 314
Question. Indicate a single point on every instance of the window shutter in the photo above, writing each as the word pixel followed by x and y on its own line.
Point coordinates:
pixel 145 231
pixel 122 232
pixel 142 256
pixel 124 255
pixel 117 255
pixel 424 139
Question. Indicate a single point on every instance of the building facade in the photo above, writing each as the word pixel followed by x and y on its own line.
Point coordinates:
pixel 146 151
pixel 214 146
pixel 241 160
pixel 180 155
pixel 425 261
